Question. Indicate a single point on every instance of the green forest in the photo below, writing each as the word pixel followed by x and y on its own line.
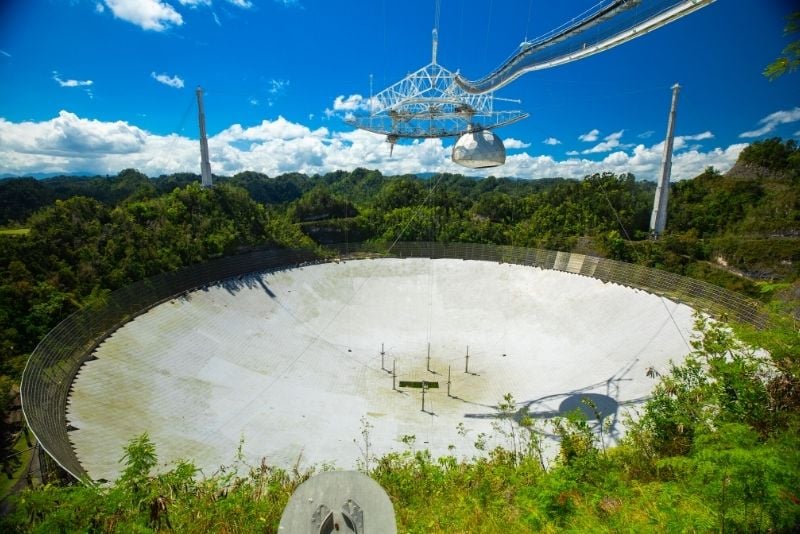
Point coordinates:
pixel 716 448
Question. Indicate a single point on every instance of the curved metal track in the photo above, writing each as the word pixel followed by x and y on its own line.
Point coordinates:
pixel 608 24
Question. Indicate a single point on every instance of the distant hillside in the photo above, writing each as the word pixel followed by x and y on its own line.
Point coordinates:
pixel 716 448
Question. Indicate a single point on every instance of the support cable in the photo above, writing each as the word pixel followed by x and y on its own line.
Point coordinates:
pixel 528 24
pixel 488 31
pixel 638 260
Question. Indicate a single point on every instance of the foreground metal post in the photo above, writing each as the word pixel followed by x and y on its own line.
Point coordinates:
pixel 466 365
pixel 448 381
pixel 429 357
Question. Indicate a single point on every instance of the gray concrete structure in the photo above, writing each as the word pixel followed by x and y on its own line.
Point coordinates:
pixel 341 502
pixel 658 218
pixel 205 163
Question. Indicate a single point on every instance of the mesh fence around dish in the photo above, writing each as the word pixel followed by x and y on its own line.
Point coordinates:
pixel 53 365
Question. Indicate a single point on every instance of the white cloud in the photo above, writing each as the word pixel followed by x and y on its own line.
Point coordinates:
pixel 772 121
pixel 311 116
pixel 552 141
pixel 682 142
pixel 171 81
pixel 590 137
pixel 99 8
pixel 152 15
pixel 610 142
pixel 349 105
pixel 68 143
pixel 216 18
pixel 699 137
pixel 515 143
pixel 287 3
pixel 268 130
pixel 277 86
pixel 3 52
pixel 646 135
pixel 195 3
pixel 71 136
pixel 71 83
pixel 573 153
pixel 253 101
pixel 354 102
pixel 244 4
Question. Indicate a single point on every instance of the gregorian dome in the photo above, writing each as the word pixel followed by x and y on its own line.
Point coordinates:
pixel 479 149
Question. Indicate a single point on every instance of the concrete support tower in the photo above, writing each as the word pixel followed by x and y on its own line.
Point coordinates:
pixel 205 164
pixel 658 220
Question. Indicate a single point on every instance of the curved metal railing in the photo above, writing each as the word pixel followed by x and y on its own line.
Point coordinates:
pixel 608 24
pixel 52 367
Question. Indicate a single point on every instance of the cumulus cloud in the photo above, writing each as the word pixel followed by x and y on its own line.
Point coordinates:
pixel 153 15
pixel 268 130
pixel 349 105
pixel 682 142
pixel 699 137
pixel 71 83
pixel 71 136
pixel 515 143
pixel 552 141
pixel 609 143
pixel 171 81
pixel 772 121
pixel 352 103
pixel 85 84
pixel 69 143
pixel 589 137
pixel 195 3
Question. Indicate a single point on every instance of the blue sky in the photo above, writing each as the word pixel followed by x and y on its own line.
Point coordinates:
pixel 96 86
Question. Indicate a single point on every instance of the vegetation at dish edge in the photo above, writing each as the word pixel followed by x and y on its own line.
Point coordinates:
pixel 716 448
pixel 741 230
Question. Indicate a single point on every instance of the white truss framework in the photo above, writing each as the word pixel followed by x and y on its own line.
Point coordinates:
pixel 429 103
pixel 435 102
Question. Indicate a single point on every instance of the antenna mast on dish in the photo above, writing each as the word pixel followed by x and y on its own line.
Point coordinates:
pixel 658 220
pixel 205 164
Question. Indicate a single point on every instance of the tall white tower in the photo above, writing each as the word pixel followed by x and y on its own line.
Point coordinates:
pixel 205 164
pixel 658 220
